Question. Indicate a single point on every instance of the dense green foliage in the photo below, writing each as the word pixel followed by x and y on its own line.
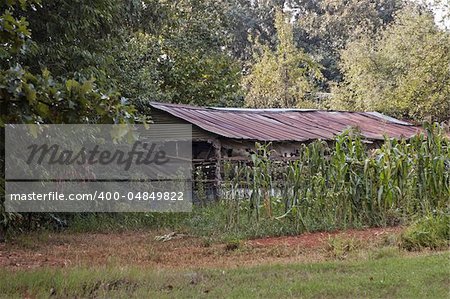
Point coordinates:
pixel 344 184
pixel 144 50
pixel 196 52
pixel 183 59
pixel 429 232
pixel 403 71
pixel 286 77
pixel 326 26
pixel 31 95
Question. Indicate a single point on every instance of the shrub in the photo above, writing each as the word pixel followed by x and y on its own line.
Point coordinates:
pixel 429 232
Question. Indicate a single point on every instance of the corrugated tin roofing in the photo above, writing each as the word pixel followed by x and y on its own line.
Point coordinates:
pixel 287 124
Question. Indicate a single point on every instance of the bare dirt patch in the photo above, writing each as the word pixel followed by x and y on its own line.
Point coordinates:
pixel 139 248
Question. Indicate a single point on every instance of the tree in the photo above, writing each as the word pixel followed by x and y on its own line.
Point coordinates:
pixel 324 27
pixel 285 77
pixel 404 71
pixel 248 22
pixel 146 50
pixel 36 97
pixel 75 39
pixel 193 64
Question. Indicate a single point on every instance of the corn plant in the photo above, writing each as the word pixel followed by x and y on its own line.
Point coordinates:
pixel 344 183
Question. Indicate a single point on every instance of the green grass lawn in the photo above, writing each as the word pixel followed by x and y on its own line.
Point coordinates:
pixel 426 276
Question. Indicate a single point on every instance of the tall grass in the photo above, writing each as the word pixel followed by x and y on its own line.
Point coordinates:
pixel 344 183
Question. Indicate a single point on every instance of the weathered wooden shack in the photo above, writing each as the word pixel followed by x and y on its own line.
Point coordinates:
pixel 231 133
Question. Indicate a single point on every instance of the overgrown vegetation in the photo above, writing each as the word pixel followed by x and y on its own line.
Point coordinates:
pixel 337 186
pixel 101 61
pixel 428 232
pixel 286 77
pixel 399 70
pixel 343 185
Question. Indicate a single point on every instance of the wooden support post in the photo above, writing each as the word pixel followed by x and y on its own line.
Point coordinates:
pixel 217 176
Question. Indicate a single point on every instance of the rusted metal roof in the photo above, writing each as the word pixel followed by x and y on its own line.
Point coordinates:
pixel 287 124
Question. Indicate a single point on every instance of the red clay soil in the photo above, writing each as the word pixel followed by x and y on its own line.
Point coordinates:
pixel 141 249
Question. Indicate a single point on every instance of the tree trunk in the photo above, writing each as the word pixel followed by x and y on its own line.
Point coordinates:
pixel 2 233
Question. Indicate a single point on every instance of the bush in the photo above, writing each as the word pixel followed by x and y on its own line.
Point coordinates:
pixel 429 232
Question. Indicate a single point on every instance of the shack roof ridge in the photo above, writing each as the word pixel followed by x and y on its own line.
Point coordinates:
pixel 244 110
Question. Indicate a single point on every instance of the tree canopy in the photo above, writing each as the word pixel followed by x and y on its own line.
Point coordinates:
pixel 276 53
pixel 325 27
pixel 37 97
pixel 403 71
pixel 284 77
